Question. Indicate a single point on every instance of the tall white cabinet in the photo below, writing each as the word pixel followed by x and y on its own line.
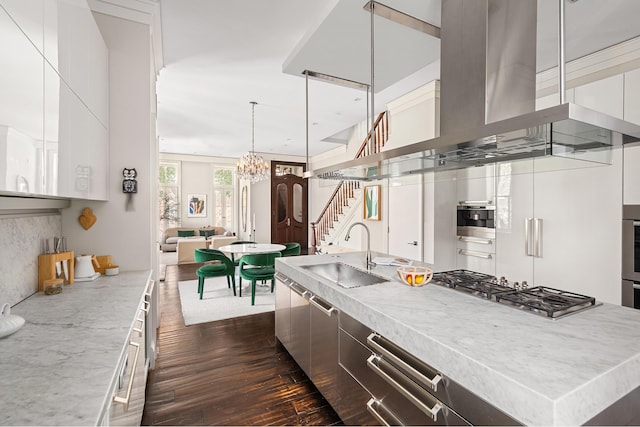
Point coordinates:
pixel 54 109
pixel 578 208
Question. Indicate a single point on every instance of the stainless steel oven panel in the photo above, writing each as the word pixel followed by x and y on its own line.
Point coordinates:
pixel 478 232
pixel 476 221
pixel 631 294
pixel 629 250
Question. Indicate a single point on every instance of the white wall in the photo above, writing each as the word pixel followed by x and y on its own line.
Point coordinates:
pixel 196 176
pixel 124 228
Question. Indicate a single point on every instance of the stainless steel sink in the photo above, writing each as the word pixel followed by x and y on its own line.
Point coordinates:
pixel 345 275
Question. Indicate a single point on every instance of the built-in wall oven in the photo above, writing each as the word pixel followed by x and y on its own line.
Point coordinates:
pixel 476 219
pixel 631 256
pixel 476 232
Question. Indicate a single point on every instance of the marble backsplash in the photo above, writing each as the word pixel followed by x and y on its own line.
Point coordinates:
pixel 20 244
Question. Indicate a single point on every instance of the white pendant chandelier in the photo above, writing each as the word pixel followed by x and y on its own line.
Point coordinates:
pixel 252 167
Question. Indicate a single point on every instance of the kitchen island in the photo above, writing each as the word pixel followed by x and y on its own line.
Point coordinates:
pixel 537 370
pixel 61 366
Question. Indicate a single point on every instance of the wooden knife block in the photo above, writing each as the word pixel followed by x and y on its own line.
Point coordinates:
pixel 47 267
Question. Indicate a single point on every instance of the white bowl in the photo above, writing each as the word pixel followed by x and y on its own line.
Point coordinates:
pixel 111 271
pixel 415 276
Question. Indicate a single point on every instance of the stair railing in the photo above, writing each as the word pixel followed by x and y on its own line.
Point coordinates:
pixel 345 189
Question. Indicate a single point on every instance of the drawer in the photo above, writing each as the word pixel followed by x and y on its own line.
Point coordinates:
pixel 482 262
pixel 476 244
pixel 386 403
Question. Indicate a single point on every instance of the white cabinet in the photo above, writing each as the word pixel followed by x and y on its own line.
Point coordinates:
pixel 127 393
pixel 604 95
pixel 28 14
pixel 579 211
pixel 76 50
pixel 476 183
pixel 21 111
pixel 54 105
pixel 631 98
pixel 631 180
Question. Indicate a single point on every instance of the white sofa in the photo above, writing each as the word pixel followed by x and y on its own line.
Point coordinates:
pixel 170 237
pixel 186 246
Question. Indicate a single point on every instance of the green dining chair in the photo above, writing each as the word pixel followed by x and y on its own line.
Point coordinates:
pixel 291 249
pixel 224 267
pixel 257 267
pixel 236 262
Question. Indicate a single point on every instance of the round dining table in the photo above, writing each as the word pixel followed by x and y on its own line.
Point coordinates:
pixel 252 248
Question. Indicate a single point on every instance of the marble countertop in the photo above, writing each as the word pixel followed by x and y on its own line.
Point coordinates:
pixel 538 370
pixel 58 368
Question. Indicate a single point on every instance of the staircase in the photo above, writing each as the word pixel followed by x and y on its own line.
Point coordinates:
pixel 346 191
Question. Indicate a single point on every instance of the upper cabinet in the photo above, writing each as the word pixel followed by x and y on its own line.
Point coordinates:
pixel 54 109
pixel 631 181
pixel 604 95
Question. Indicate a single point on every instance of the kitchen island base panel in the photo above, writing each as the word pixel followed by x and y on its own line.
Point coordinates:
pixel 625 412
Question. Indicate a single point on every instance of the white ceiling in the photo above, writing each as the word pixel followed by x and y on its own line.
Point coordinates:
pixel 220 55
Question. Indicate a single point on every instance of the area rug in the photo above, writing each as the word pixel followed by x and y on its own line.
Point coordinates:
pixel 218 302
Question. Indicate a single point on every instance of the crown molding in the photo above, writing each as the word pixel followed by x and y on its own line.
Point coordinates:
pixel 146 12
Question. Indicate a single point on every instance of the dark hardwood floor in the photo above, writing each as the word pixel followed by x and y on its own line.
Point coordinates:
pixel 229 372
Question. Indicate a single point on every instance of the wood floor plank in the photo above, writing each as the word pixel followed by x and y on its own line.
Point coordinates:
pixel 229 372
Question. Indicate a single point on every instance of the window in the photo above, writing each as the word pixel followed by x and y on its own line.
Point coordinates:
pixel 168 195
pixel 223 197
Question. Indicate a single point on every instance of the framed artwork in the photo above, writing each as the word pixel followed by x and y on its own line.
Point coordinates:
pixel 372 202
pixel 197 205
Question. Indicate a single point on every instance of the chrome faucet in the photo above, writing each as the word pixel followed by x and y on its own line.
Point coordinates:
pixel 369 262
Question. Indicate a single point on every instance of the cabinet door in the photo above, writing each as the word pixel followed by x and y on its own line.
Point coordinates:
pixel 28 15
pixel 631 98
pixel 283 314
pixel 631 178
pixel 581 210
pixel 21 111
pixel 514 205
pixel 300 328
pixel 132 384
pixel 476 184
pixel 324 348
pixel 604 95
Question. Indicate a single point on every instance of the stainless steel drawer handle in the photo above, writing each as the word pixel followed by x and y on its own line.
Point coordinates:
pixel 475 240
pixel 475 202
pixel 140 329
pixel 474 254
pixel 432 383
pixel 125 400
pixel 373 411
pixel 146 306
pixel 150 286
pixel 431 412
pixel 325 310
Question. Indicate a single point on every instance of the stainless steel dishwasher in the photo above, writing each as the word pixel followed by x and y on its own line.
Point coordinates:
pixel 396 388
pixel 324 347
pixel 300 326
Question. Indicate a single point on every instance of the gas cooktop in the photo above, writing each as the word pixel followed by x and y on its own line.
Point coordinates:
pixel 542 300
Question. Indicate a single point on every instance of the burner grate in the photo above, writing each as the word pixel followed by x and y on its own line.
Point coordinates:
pixel 552 302
pixel 542 300
pixel 479 284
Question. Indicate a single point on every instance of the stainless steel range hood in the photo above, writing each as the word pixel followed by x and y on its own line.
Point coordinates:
pixel 488 101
